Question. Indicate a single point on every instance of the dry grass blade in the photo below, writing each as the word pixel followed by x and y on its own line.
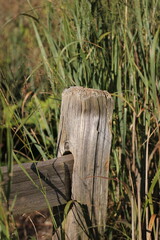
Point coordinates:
pixel 150 226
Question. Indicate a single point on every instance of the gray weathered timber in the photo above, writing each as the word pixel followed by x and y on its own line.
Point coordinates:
pixel 85 131
pixel 52 177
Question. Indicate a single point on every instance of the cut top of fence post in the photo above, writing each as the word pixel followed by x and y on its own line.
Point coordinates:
pixel 85 131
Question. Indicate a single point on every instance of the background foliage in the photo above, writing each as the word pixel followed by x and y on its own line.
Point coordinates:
pixel 111 45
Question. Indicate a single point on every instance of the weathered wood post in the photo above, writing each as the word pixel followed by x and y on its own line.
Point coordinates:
pixel 85 131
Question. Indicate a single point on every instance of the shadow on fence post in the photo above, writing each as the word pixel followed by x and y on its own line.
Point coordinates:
pixel 85 131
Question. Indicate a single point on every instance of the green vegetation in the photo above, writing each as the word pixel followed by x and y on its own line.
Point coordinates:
pixel 111 45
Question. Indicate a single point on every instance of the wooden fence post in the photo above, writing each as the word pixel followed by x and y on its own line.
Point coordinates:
pixel 85 131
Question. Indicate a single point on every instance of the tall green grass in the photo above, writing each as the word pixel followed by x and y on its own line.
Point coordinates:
pixel 114 46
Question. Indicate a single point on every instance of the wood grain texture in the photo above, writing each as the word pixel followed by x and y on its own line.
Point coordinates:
pixel 85 131
pixel 52 177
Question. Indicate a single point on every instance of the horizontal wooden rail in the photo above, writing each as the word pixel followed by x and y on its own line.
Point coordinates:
pixel 52 177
